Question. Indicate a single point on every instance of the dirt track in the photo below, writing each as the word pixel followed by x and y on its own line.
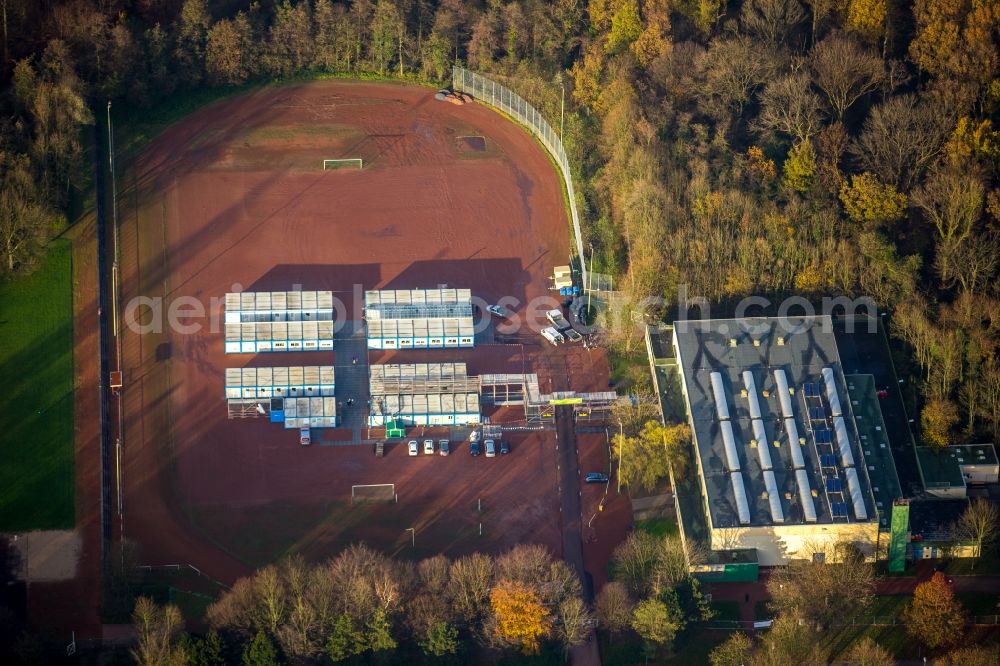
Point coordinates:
pixel 235 195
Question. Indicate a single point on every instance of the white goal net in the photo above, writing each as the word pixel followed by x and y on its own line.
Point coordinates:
pixel 352 163
pixel 377 492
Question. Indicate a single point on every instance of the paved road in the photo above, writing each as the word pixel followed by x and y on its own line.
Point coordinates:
pixel 572 521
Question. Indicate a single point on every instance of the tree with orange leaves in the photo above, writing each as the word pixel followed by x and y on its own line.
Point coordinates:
pixel 934 616
pixel 520 619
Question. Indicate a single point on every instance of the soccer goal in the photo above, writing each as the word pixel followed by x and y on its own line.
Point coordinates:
pixel 378 492
pixel 351 163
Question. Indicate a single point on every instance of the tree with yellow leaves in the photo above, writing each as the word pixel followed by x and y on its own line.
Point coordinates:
pixel 654 40
pixel 519 617
pixel 872 203
pixel 939 417
pixel 867 17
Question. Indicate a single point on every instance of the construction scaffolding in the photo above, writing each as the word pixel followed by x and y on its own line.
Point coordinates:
pixel 423 394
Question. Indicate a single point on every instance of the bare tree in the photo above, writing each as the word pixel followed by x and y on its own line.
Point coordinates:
pixel 733 70
pixel 730 538
pixel 790 107
pixel 469 585
pixel 614 607
pixel 845 71
pixel 823 592
pixel 772 20
pixel 158 630
pixel 979 523
pixel 574 622
pixel 900 139
pixel 634 559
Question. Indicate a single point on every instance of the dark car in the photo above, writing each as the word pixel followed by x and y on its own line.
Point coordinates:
pixel 596 477
pixel 474 448
pixel 504 448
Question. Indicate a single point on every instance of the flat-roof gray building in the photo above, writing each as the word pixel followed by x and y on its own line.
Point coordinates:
pixel 777 440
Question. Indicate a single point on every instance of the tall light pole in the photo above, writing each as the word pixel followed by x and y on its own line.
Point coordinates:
pixel 413 536
pixel 562 105
pixel 621 453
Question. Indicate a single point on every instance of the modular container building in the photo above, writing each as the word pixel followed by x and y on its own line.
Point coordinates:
pixel 296 396
pixel 423 394
pixel 276 321
pixel 419 318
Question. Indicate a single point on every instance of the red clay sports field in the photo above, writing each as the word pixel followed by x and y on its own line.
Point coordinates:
pixel 236 195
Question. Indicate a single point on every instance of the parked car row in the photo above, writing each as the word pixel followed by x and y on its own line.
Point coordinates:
pixel 476 447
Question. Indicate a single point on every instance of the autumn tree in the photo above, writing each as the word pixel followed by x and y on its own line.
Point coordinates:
pixel 934 617
pixel 645 459
pixel 979 523
pixel 192 36
pixel 734 651
pixel 872 203
pixel 868 17
pixel 789 642
pixel 654 41
pixel 25 220
pixel 938 419
pixel 158 632
pixel 520 618
pixel 973 655
pixel 800 167
pixel 223 54
pixel 866 652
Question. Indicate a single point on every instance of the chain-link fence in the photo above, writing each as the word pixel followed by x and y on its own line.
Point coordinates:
pixel 490 92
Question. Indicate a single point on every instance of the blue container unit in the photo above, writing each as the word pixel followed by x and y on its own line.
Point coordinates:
pixel 276 321
pixel 419 319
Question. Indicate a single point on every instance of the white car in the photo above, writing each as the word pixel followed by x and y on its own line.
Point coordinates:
pixel 305 436
pixel 474 436
pixel 496 310
pixel 557 318
pixel 491 449
pixel 413 447
pixel 553 336
pixel 429 447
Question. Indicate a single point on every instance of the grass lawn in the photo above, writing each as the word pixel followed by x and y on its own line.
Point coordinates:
pixel 36 371
pixel 660 526
pixel 987 565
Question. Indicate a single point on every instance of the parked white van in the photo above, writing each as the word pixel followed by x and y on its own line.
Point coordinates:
pixel 553 336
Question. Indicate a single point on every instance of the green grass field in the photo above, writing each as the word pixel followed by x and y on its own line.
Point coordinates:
pixel 36 371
